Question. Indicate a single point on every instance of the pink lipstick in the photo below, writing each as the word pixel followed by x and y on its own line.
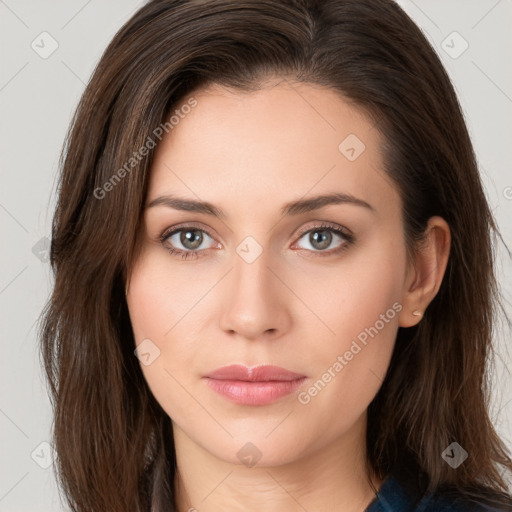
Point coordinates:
pixel 259 385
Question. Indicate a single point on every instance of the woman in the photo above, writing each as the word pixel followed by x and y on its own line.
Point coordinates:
pixel 274 281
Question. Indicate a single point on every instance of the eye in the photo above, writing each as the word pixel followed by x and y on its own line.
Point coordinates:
pixel 192 242
pixel 189 240
pixel 321 237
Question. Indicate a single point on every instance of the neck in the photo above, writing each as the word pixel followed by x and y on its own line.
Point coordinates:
pixel 332 477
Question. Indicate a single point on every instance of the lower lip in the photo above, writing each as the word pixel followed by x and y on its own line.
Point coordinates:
pixel 254 393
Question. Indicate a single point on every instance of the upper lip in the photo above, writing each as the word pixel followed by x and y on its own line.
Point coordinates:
pixel 261 373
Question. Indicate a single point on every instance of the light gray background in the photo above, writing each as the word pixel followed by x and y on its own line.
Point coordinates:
pixel 37 99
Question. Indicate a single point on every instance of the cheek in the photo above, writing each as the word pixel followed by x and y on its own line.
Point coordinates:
pixel 360 306
pixel 354 295
pixel 161 295
pixel 167 306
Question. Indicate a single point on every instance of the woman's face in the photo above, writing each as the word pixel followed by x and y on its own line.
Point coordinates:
pixel 267 279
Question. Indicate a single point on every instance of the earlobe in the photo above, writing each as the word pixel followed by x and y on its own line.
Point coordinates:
pixel 410 319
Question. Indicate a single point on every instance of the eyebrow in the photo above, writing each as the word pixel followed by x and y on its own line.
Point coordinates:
pixel 292 208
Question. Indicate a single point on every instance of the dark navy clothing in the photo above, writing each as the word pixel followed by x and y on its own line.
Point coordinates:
pixel 395 496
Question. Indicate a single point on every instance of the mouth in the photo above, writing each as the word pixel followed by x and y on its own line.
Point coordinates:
pixel 260 385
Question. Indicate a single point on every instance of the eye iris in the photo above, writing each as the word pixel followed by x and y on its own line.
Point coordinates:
pixel 321 241
pixel 191 239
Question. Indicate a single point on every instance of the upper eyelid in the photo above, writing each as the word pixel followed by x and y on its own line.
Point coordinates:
pixel 333 226
pixel 181 227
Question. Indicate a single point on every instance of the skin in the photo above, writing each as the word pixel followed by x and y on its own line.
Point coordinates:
pixel 294 306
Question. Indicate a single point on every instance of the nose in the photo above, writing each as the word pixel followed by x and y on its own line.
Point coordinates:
pixel 255 304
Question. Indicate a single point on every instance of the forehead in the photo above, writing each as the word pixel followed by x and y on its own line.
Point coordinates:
pixel 284 141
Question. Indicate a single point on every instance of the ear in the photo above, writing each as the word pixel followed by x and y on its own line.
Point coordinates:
pixel 425 273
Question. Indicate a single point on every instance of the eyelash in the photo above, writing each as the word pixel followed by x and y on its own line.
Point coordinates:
pixel 325 226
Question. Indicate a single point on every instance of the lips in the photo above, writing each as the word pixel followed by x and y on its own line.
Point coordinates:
pixel 263 373
pixel 260 385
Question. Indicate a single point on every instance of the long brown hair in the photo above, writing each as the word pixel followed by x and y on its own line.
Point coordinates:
pixel 113 440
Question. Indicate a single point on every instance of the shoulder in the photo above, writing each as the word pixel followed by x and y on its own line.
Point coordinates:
pixel 451 502
pixel 398 495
